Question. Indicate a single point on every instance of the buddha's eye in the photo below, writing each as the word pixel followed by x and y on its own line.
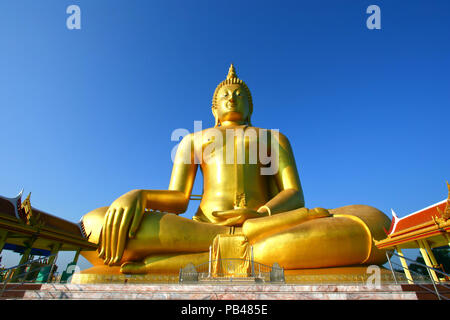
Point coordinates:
pixel 238 94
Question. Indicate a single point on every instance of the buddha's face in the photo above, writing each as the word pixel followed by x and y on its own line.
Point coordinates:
pixel 232 103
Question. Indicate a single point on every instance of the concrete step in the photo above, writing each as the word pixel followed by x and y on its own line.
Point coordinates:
pixel 17 291
pixel 220 292
pixel 427 291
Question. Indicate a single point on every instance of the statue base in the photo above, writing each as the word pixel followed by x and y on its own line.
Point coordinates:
pixel 337 275
pixel 108 291
pixel 341 275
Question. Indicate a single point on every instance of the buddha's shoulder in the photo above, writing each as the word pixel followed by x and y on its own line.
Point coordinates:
pixel 199 137
pixel 248 130
pixel 272 132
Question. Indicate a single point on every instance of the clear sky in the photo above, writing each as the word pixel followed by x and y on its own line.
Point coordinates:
pixel 87 114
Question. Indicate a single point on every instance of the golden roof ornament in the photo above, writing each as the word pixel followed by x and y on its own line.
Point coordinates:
pixel 31 218
pixel 445 215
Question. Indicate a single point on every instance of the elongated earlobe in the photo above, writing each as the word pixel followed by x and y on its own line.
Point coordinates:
pixel 248 121
pixel 217 121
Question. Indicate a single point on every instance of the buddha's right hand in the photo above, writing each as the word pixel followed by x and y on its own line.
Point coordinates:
pixel 122 219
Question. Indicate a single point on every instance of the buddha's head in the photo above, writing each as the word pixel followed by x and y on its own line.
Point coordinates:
pixel 232 100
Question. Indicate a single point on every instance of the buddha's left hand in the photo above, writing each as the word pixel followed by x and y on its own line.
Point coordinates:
pixel 236 217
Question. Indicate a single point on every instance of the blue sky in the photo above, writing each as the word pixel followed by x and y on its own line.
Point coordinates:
pixel 87 114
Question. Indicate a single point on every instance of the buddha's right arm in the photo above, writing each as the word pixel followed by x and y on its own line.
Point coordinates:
pixel 176 199
pixel 172 201
pixel 123 218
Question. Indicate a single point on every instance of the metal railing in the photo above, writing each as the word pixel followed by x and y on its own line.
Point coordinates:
pixel 236 267
pixel 19 274
pixel 232 269
pixel 429 269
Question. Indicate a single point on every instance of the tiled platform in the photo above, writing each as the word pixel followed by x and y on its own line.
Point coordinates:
pixel 220 292
pixel 346 275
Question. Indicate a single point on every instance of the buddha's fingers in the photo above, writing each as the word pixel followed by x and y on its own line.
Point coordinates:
pixel 114 234
pixel 236 213
pixel 122 235
pixel 222 223
pixel 102 252
pixel 108 236
pixel 231 221
pixel 236 221
pixel 133 268
pixel 137 217
pixel 225 214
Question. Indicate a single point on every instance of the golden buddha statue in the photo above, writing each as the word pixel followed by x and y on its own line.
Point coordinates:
pixel 142 231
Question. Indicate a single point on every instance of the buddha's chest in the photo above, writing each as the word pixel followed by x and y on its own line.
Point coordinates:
pixel 233 147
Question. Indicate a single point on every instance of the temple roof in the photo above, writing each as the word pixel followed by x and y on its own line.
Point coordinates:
pixel 416 219
pixel 59 224
pixel 431 223
pixel 37 223
pixel 7 208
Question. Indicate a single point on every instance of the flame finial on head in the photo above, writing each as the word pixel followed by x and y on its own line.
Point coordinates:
pixel 231 72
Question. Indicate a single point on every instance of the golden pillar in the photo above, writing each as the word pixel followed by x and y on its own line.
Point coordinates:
pixel 25 256
pixel 405 266
pixel 54 253
pixel 3 238
pixel 77 255
pixel 425 254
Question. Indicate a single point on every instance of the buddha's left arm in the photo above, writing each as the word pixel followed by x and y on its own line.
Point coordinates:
pixel 286 177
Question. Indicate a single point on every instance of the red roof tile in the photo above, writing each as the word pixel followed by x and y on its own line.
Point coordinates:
pixel 416 218
pixel 7 208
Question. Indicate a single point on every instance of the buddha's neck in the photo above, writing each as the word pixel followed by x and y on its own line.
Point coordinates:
pixel 233 123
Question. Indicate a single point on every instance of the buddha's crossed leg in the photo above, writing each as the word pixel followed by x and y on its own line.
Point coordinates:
pixel 342 238
pixel 163 239
pixel 297 239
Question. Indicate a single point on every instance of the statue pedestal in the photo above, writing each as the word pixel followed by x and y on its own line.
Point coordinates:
pixel 340 275
pixel 220 292
pixel 228 280
pixel 106 274
pixel 343 275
